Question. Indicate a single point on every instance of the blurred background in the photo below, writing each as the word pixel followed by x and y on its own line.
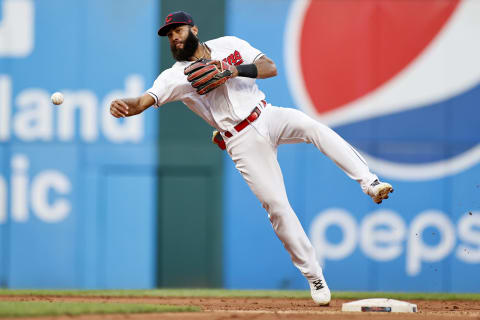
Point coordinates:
pixel 89 201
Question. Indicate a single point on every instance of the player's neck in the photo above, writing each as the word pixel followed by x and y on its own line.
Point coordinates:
pixel 202 52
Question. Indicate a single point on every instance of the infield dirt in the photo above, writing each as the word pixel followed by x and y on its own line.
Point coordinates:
pixel 262 309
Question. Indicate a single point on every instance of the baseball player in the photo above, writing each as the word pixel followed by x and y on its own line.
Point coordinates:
pixel 216 80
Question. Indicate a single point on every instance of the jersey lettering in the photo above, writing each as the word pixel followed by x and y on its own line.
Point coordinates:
pixel 234 58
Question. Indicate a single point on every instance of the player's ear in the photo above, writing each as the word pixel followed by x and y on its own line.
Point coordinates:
pixel 194 30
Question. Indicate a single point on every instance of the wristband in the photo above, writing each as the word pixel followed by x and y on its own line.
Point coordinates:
pixel 247 70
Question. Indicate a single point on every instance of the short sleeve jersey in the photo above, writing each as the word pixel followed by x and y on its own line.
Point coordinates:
pixel 223 107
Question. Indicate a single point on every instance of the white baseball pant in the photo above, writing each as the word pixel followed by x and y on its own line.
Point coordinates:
pixel 254 152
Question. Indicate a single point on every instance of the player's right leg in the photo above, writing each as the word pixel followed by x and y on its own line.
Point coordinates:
pixel 256 159
pixel 294 126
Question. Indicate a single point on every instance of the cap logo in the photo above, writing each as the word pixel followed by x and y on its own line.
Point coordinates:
pixel 168 18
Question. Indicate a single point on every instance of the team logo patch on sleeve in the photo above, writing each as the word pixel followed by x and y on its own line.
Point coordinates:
pixel 234 59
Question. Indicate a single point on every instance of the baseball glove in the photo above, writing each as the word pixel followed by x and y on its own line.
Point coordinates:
pixel 205 77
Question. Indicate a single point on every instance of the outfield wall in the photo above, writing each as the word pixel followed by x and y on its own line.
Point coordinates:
pixel 87 200
pixel 77 187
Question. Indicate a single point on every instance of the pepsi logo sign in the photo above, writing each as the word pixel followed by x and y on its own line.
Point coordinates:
pixel 400 80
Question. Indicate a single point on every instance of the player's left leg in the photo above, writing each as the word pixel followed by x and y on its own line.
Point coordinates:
pixel 294 126
pixel 256 159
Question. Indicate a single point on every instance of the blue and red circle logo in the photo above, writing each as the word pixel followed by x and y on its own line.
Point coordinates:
pixel 400 80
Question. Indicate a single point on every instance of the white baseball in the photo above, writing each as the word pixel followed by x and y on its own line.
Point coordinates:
pixel 57 98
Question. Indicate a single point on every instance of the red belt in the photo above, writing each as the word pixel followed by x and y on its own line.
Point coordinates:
pixel 251 118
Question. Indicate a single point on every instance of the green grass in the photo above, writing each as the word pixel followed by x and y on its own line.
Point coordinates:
pixel 41 308
pixel 242 294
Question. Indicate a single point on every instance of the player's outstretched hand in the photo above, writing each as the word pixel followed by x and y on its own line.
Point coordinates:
pixel 127 107
pixel 119 109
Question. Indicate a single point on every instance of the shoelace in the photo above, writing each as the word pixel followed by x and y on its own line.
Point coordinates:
pixel 318 284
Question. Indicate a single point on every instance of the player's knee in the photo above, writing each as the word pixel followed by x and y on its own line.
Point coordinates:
pixel 276 207
pixel 313 126
pixel 308 129
pixel 280 218
pixel 316 131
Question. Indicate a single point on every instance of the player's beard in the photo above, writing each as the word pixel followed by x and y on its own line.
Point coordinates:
pixel 190 45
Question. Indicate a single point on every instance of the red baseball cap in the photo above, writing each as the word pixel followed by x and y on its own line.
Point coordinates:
pixel 175 19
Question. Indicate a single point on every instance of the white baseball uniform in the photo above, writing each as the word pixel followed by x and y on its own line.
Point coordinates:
pixel 254 149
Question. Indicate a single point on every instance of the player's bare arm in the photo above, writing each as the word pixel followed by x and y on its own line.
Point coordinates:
pixel 128 107
pixel 266 68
